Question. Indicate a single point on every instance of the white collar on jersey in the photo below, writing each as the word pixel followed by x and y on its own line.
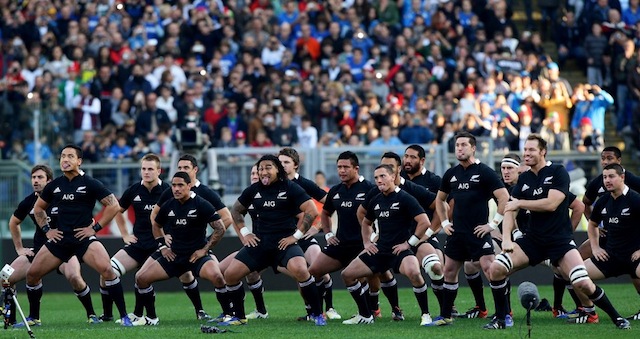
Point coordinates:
pixel 296 176
pixel 159 182
pixel 477 161
pixel 548 163
pixel 197 184
pixel 402 181
pixel 424 170
pixel 80 172
pixel 625 190
pixel 192 194
pixel 361 178
pixel 397 189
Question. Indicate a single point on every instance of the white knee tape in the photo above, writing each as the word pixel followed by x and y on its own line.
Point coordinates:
pixel 428 262
pixel 118 268
pixel 578 273
pixel 504 259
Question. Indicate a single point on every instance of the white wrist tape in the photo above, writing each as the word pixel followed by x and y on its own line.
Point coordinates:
pixel 298 235
pixel 413 240
pixel 244 231
pixel 429 233
pixel 329 236
pixel 445 223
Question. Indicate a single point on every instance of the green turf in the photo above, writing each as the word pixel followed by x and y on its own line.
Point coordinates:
pixel 63 317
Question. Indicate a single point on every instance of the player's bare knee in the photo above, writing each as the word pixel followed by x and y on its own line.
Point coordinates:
pixel 415 277
pixel 253 277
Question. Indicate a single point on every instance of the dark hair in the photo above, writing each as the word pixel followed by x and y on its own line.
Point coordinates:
pixel 184 176
pixel 291 153
pixel 472 138
pixel 616 151
pixel 616 167
pixel 282 175
pixel 542 144
pixel 75 147
pixel 394 156
pixel 348 155
pixel 387 167
pixel 151 157
pixel 417 148
pixel 318 172
pixel 46 169
pixel 190 158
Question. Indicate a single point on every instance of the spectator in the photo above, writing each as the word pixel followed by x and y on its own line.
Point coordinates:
pixel 307 134
pixel 86 113
pixel 163 145
pixel 569 40
pixel 285 134
pixel 631 15
pixel 589 140
pixel 136 83
pixel 386 139
pixel 415 131
pixel 120 150
pixel 595 45
pixel 89 147
pixel 151 120
pixel 557 139
pixel 559 102
pixel 623 65
pixel 261 140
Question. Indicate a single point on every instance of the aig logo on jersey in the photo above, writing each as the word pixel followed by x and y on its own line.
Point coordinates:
pixel 463 186
pixel 148 207
pixel 383 214
pixel 68 196
pixel 613 220
pixel 270 203
pixel 537 191
pixel 347 204
pixel 181 222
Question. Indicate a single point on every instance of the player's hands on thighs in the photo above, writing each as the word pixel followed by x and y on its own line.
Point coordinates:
pixel 401 247
pixel 197 255
pixel 371 248
pixel 600 254
pixel 286 242
pixel 251 240
pixel 168 254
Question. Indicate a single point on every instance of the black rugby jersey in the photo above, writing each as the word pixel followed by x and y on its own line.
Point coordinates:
pixel 426 179
pixel 275 206
pixel 595 188
pixel 471 188
pixel 310 187
pixel 345 201
pixel 187 222
pixel 395 213
pixel 202 191
pixel 25 208
pixel 142 200
pixel 75 200
pixel 620 217
pixel 546 225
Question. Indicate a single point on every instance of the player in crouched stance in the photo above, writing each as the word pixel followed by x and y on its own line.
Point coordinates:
pixel 395 210
pixel 543 190
pixel 186 216
pixel 618 210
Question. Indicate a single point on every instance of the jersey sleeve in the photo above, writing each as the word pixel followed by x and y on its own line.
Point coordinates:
pixel 214 199
pixel 297 194
pixel 424 197
pixel 494 181
pixel 561 180
pixel 328 204
pixel 596 214
pixel 516 191
pixel 314 190
pixel 127 198
pixel 412 206
pixel 367 198
pixel 444 184
pixel 24 207
pixel 99 189
pixel 246 197
pixel 166 195
pixel 632 180
pixel 208 212
pixel 161 217
pixel 47 192
pixel 592 188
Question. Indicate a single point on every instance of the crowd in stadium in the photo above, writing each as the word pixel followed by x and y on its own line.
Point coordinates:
pixel 123 77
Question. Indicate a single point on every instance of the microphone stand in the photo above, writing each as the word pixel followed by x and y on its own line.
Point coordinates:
pixel 529 319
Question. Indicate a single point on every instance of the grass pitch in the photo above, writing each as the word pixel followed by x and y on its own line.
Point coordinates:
pixel 63 317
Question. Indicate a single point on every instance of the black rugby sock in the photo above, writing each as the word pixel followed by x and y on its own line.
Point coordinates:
pixel 107 303
pixel 357 294
pixel 600 299
pixel 147 298
pixel 436 286
pixel 390 290
pixel 85 298
pixel 34 294
pixel 310 292
pixel 257 290
pixel 117 294
pixel 449 294
pixel 328 294
pixel 476 285
pixel 193 292
pixel 559 284
pixel 499 290
pixel 422 298
pixel 236 298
